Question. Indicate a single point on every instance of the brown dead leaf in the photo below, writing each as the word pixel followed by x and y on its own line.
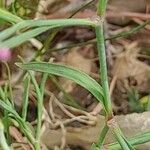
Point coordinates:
pixel 127 65
pixel 75 60
pixel 58 8
pixel 117 6
pixel 49 7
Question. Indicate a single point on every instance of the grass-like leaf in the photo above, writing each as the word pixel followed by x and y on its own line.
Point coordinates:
pixel 23 126
pixel 3 142
pixel 9 17
pixel 136 140
pixel 8 108
pixel 39 107
pixel 125 145
pixel 42 26
pixel 25 97
pixel 44 23
pixel 17 40
pixel 79 77
pixel 10 31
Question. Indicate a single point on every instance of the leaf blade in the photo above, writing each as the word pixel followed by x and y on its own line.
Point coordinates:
pixel 79 77
pixel 17 40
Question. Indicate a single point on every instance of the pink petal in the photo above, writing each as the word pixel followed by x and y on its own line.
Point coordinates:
pixel 5 54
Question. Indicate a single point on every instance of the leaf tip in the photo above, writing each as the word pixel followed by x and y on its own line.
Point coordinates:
pixel 18 64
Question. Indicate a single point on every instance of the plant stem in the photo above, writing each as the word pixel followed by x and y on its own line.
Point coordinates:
pixel 103 66
pixel 102 55
pixel 37 146
pixel 6 115
pixel 25 97
pixel 101 8
pixel 43 82
pixel 93 41
pixel 39 110
pixel 9 82
pixel 102 136
pixel 3 143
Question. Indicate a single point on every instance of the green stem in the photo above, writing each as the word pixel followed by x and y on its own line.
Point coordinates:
pixel 39 105
pixel 9 82
pixel 7 106
pixel 101 7
pixel 25 97
pixel 3 143
pixel 93 41
pixel 6 116
pixel 102 136
pixel 37 146
pixel 39 111
pixel 103 67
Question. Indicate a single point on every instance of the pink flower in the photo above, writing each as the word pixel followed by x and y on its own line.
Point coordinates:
pixel 5 54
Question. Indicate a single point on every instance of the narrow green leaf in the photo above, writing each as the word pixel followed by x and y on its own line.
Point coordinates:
pixel 125 145
pixel 61 22
pixel 39 105
pixel 7 16
pixel 10 31
pixel 43 82
pixel 17 40
pixel 61 70
pixel 4 97
pixel 102 136
pixel 23 125
pixel 25 97
pixel 141 138
pixel 3 143
pixel 44 23
pixel 136 140
pixel 43 26
pixel 122 143
pixel 8 108
pixel 9 83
